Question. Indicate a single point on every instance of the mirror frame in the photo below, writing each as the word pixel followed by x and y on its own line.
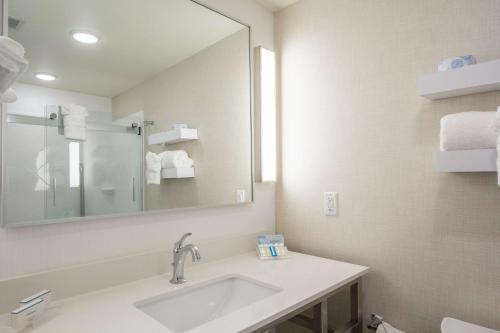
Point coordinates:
pixel 3 108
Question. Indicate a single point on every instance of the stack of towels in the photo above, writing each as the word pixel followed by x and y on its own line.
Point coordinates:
pixel 12 66
pixel 468 130
pixel 74 118
pixel 177 159
pixel 471 130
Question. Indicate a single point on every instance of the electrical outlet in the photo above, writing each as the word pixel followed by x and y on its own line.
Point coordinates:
pixel 330 203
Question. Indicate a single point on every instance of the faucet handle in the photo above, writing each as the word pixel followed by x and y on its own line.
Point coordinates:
pixel 179 243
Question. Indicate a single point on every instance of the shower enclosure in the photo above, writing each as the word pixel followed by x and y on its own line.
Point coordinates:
pixel 48 176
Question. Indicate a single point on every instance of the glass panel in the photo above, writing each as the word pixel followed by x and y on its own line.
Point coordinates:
pixel 98 176
pixel 25 181
pixel 112 172
pixel 61 200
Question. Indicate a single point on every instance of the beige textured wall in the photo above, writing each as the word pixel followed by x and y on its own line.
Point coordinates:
pixel 210 92
pixel 352 122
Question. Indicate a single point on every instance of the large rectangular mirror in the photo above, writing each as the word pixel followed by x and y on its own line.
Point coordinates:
pixel 128 106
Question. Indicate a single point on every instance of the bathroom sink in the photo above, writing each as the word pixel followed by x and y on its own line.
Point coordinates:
pixel 193 306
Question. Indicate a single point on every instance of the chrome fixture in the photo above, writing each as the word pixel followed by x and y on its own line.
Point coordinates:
pixel 375 321
pixel 180 252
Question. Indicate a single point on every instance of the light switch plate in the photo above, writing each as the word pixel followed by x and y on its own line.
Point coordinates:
pixel 240 196
pixel 330 203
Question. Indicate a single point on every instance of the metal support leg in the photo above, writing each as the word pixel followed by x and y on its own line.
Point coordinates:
pixel 354 302
pixel 320 323
pixel 355 309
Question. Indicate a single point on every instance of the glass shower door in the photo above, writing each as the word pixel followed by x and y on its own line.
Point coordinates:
pixel 98 176
pixel 48 176
pixel 112 170
pixel 63 195
pixel 24 174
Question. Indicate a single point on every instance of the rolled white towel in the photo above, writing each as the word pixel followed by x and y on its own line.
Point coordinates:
pixel 9 96
pixel 387 328
pixel 468 130
pixel 176 159
pixel 153 168
pixel 12 62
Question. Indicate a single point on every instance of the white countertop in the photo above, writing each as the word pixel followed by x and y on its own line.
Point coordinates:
pixel 303 279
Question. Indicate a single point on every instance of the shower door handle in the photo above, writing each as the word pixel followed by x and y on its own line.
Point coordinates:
pixel 133 189
pixel 82 189
pixel 54 190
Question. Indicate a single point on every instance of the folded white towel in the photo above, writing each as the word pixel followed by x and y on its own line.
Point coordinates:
pixel 74 110
pixel 176 159
pixel 76 120
pixel 153 168
pixel 75 126
pixel 12 66
pixel 468 130
pixel 75 133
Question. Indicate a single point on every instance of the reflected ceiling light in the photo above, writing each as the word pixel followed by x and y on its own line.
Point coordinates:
pixel 45 76
pixel 84 37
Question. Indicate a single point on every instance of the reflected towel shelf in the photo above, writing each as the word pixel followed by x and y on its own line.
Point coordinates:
pixel 479 160
pixel 467 80
pixel 174 173
pixel 173 136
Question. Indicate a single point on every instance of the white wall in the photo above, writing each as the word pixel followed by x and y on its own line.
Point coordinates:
pixel 349 86
pixel 33 99
pixel 208 91
pixel 28 250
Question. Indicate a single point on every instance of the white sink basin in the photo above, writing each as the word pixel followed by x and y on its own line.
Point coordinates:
pixel 191 307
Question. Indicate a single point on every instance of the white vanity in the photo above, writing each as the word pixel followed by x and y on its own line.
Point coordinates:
pixel 238 294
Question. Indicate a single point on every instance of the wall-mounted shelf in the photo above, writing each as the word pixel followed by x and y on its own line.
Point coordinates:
pixel 467 80
pixel 480 160
pixel 177 173
pixel 173 136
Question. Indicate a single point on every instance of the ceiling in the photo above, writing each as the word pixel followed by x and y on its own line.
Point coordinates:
pixel 138 39
pixel 276 5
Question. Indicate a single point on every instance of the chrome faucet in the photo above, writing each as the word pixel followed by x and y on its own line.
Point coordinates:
pixel 180 257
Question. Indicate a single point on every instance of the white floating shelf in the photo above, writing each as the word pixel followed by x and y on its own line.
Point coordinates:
pixel 480 160
pixel 177 173
pixel 467 80
pixel 173 136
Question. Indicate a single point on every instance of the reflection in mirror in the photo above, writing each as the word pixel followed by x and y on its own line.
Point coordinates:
pixel 126 107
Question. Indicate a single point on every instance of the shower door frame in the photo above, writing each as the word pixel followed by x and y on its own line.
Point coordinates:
pixel 44 121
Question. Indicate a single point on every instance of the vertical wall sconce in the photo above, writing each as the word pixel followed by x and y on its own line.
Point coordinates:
pixel 265 115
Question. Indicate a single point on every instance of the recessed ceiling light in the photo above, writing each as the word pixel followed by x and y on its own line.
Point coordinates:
pixel 45 76
pixel 84 37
